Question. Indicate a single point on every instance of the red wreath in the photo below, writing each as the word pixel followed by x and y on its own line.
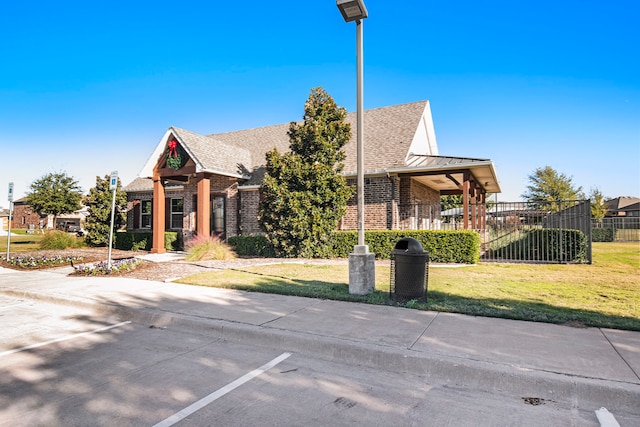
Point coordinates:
pixel 176 157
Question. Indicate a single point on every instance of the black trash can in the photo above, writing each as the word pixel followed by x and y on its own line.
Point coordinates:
pixel 409 271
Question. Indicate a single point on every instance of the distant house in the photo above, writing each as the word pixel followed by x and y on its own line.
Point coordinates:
pixel 210 184
pixel 4 219
pixel 24 217
pixel 623 207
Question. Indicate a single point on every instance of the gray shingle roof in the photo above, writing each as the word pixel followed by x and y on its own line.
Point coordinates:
pixel 139 184
pixel 213 155
pixel 388 134
pixel 257 142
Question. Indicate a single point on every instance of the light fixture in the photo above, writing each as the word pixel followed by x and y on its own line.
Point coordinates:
pixel 352 10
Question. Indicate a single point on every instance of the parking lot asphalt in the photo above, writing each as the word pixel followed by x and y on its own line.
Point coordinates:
pixel 593 367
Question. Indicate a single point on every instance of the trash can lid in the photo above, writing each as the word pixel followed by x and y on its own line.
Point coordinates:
pixel 410 245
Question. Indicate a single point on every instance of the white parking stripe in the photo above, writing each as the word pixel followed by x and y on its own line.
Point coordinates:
pixel 68 337
pixel 178 416
pixel 606 418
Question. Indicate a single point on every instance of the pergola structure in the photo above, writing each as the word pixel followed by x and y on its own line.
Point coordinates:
pixel 472 178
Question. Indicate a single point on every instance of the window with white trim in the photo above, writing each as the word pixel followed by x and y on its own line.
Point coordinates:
pixel 145 214
pixel 176 213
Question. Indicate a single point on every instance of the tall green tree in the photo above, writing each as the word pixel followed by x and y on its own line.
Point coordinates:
pixel 598 206
pixel 99 205
pixel 547 187
pixel 450 201
pixel 54 194
pixel 453 201
pixel 303 193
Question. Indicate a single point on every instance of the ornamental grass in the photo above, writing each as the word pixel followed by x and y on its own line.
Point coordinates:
pixel 208 248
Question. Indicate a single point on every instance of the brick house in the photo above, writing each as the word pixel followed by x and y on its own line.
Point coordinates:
pixel 623 207
pixel 209 184
pixel 24 217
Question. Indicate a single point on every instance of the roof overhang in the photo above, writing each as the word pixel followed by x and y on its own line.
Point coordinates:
pixel 446 174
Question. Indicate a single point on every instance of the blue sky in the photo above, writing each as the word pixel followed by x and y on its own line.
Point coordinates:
pixel 88 87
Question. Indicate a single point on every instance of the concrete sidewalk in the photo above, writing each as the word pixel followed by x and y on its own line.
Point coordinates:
pixel 589 367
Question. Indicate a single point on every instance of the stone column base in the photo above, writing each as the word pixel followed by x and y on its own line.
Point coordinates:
pixel 362 271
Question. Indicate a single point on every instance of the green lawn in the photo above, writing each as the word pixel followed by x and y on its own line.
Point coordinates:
pixel 603 294
pixel 21 243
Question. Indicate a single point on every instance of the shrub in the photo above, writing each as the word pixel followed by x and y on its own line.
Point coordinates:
pixel 257 245
pixel 546 244
pixel 446 246
pixel 460 246
pixel 603 234
pixel 205 248
pixel 137 241
pixel 58 240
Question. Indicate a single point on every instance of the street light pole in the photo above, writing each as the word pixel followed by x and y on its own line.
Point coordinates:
pixel 361 261
pixel 113 186
pixel 360 129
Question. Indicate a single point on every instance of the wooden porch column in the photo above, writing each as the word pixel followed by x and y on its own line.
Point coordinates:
pixel 465 201
pixel 157 241
pixel 483 210
pixel 474 207
pixel 203 225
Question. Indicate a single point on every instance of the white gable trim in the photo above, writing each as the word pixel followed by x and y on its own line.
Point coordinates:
pixel 147 170
pixel 424 139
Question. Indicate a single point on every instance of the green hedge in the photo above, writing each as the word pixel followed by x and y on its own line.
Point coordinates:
pixel 546 245
pixel 142 240
pixel 603 234
pixel 251 246
pixel 447 246
pixel 461 247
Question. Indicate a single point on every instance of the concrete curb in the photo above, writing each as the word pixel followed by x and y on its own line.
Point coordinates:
pixel 462 372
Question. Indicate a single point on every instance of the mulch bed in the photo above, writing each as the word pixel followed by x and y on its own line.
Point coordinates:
pixel 157 271
pixel 87 254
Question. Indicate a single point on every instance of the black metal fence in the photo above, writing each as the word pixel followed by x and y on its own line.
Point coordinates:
pixel 555 232
pixel 618 229
pixel 550 232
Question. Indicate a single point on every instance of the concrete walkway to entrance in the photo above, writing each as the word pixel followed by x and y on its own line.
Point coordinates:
pixel 592 366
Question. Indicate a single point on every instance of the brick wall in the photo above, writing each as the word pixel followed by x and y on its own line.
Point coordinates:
pixel 379 195
pixel 413 192
pixel 250 202
pixel 382 204
pixel 23 216
pixel 219 186
pixel 420 205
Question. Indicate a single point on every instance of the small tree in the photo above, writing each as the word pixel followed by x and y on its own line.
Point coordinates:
pixel 547 187
pixel 55 194
pixel 99 205
pixel 598 206
pixel 303 193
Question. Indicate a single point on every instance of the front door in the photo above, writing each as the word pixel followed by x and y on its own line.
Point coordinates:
pixel 217 215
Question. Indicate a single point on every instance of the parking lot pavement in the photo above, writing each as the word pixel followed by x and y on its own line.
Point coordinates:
pixel 96 370
pixel 587 368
